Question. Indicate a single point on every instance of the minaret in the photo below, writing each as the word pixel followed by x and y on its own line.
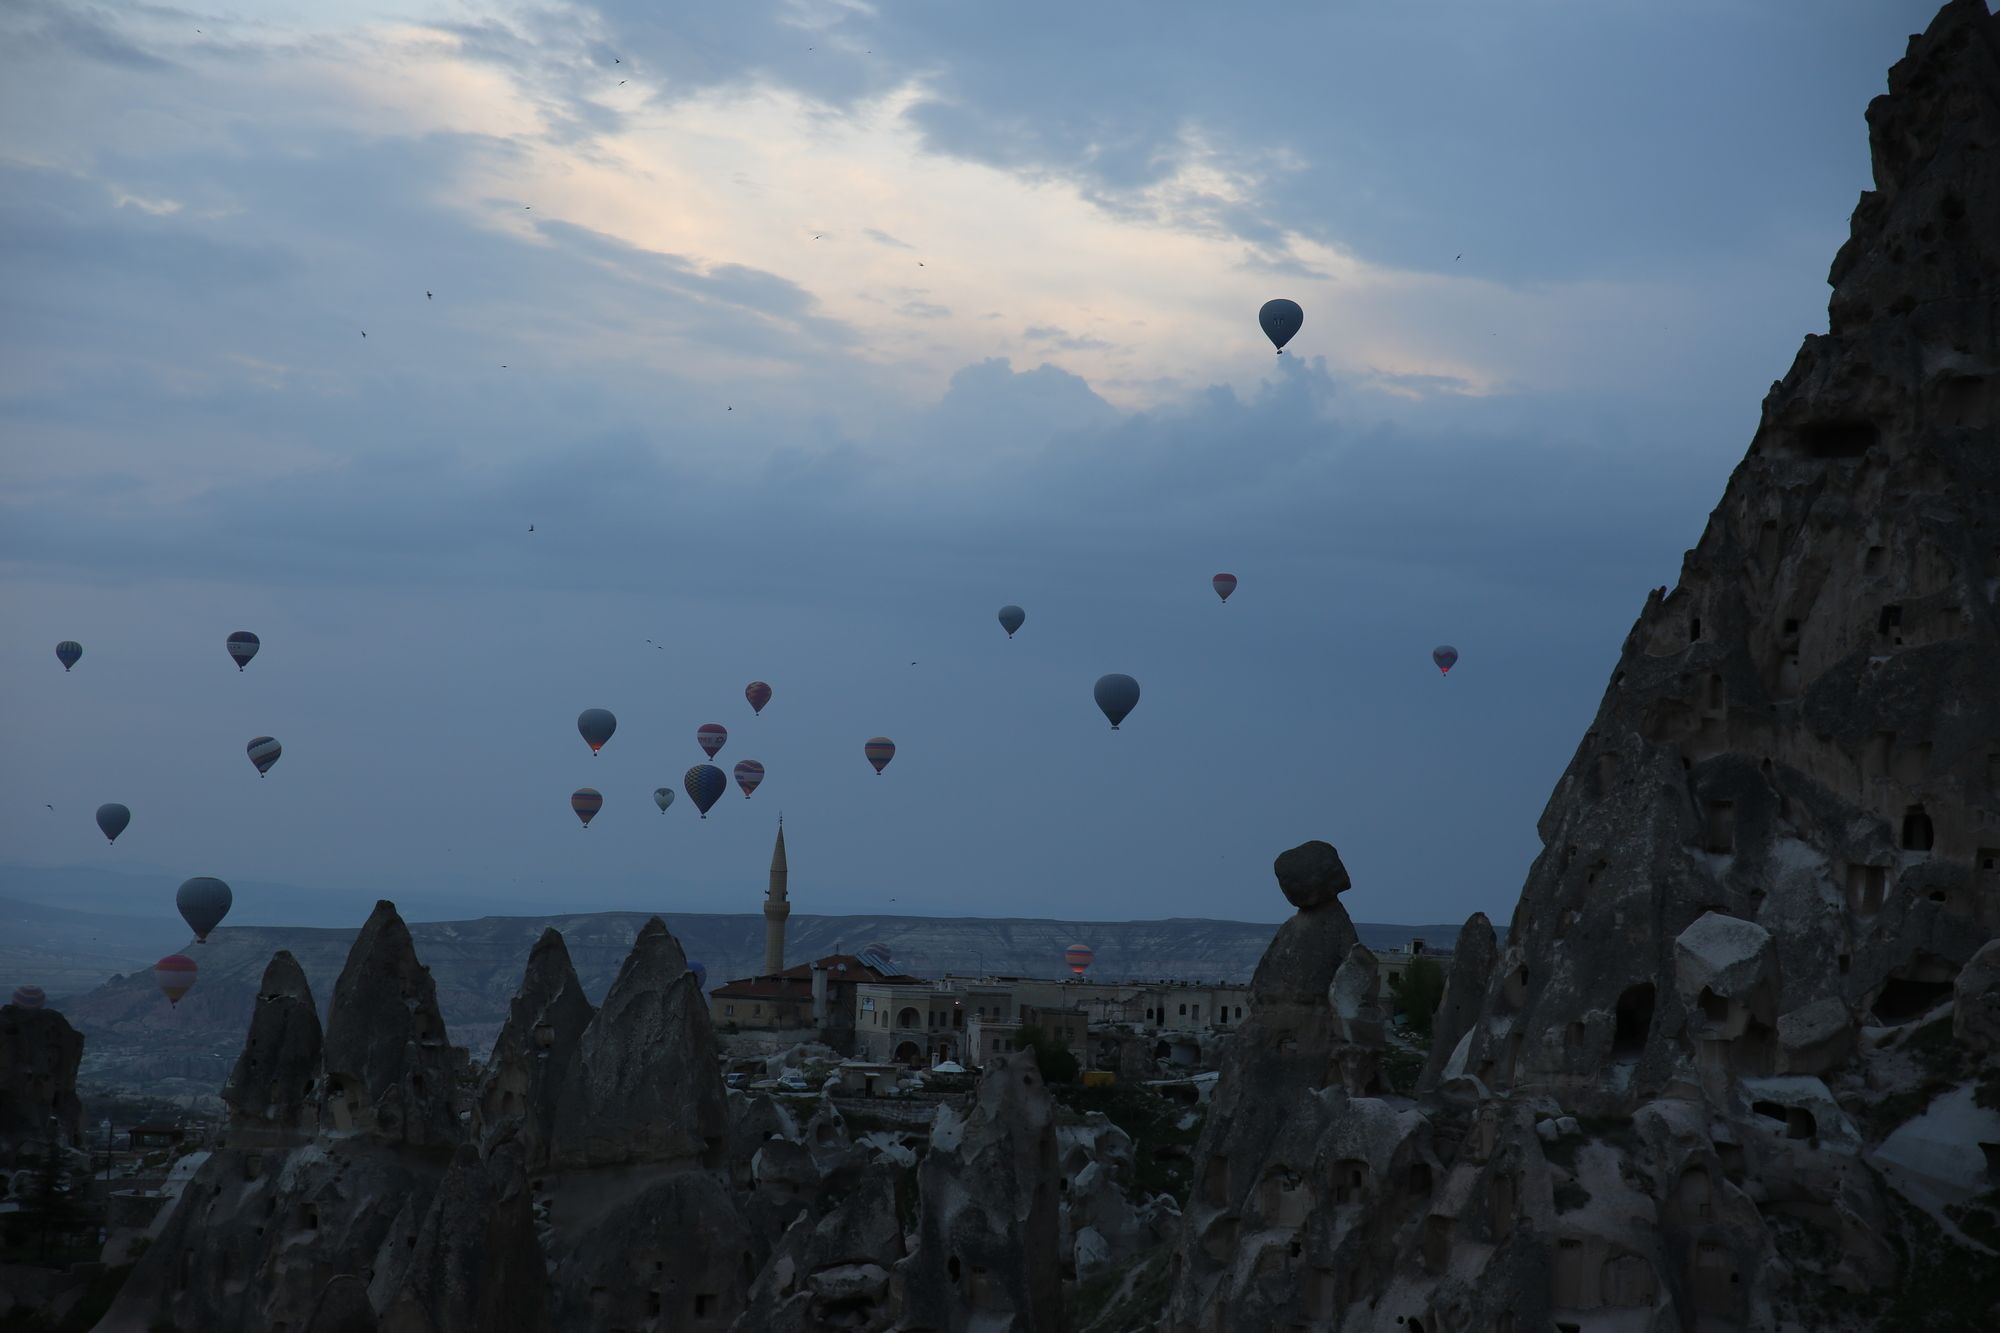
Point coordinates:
pixel 776 909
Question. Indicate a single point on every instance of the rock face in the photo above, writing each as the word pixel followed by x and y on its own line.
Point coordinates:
pixel 536 1051
pixel 277 1074
pixel 39 1055
pixel 1766 875
pixel 648 1086
pixel 988 1231
pixel 1464 991
pixel 389 1070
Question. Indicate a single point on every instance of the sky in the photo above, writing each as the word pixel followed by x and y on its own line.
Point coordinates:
pixel 808 333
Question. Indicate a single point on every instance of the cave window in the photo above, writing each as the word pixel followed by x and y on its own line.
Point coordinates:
pixel 652 1302
pixel 1722 826
pixel 1715 695
pixel 1715 1008
pixel 1842 963
pixel 1866 887
pixel 1917 832
pixel 1635 1020
pixel 1904 998
pixel 1694 630
pixel 1573 1035
pixel 1890 624
pixel 1837 439
pixel 1871 563
pixel 704 1304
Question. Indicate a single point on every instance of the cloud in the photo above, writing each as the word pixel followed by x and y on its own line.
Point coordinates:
pixel 884 238
pixel 1063 338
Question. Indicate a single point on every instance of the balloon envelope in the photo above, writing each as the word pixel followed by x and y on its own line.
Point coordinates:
pixel 29 997
pixel 203 901
pixel 663 797
pixel 705 785
pixel 264 752
pixel 711 736
pixel 1224 584
pixel 175 976
pixel 1280 320
pixel 1012 618
pixel 748 774
pixel 586 801
pixel 1445 656
pixel 759 694
pixel 880 751
pixel 67 652
pixel 112 819
pixel 1078 957
pixel 595 725
pixel 700 970
pixel 1117 695
pixel 243 646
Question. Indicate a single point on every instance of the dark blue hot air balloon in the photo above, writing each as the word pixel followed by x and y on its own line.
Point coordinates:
pixel 68 652
pixel 1012 618
pixel 1117 695
pixel 112 819
pixel 595 725
pixel 705 784
pixel 204 901
pixel 1281 319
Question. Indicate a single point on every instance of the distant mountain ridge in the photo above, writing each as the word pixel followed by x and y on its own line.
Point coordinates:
pixel 135 1039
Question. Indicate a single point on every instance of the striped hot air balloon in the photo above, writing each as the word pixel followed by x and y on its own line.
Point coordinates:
pixel 586 801
pixel 711 736
pixel 1224 584
pixel 243 646
pixel 264 752
pixel 705 785
pixel 29 997
pixel 1446 658
pixel 68 652
pixel 759 694
pixel 175 976
pixel 1078 957
pixel 880 751
pixel 748 774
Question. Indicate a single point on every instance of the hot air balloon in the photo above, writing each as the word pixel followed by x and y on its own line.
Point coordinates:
pixel 1012 618
pixel 29 997
pixel 264 752
pixel 112 819
pixel 67 652
pixel 705 785
pixel 586 801
pixel 1224 585
pixel 1078 957
pixel 700 970
pixel 1446 657
pixel 663 797
pixel 748 774
pixel 759 694
pixel 1117 695
pixel 595 725
pixel 1281 319
pixel 203 901
pixel 711 736
pixel 175 975
pixel 243 646
pixel 880 751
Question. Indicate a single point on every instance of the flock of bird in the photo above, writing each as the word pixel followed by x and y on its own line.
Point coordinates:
pixel 204 900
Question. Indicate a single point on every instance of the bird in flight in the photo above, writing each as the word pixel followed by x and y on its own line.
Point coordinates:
pixel 621 83
pixel 616 61
pixel 364 333
pixel 427 296
pixel 531 527
pixel 1456 258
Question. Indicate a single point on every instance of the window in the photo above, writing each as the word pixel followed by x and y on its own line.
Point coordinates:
pixel 1239 1011
pixel 1183 1011
pixel 729 1011
pixel 1197 1012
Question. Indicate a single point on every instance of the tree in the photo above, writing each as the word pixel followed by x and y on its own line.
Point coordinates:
pixel 1051 1056
pixel 1417 993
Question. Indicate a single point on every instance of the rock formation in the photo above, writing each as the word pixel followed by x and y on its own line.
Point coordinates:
pixel 39 1055
pixel 1464 990
pixel 1682 1097
pixel 389 1071
pixel 988 1230
pixel 536 1051
pixel 277 1075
